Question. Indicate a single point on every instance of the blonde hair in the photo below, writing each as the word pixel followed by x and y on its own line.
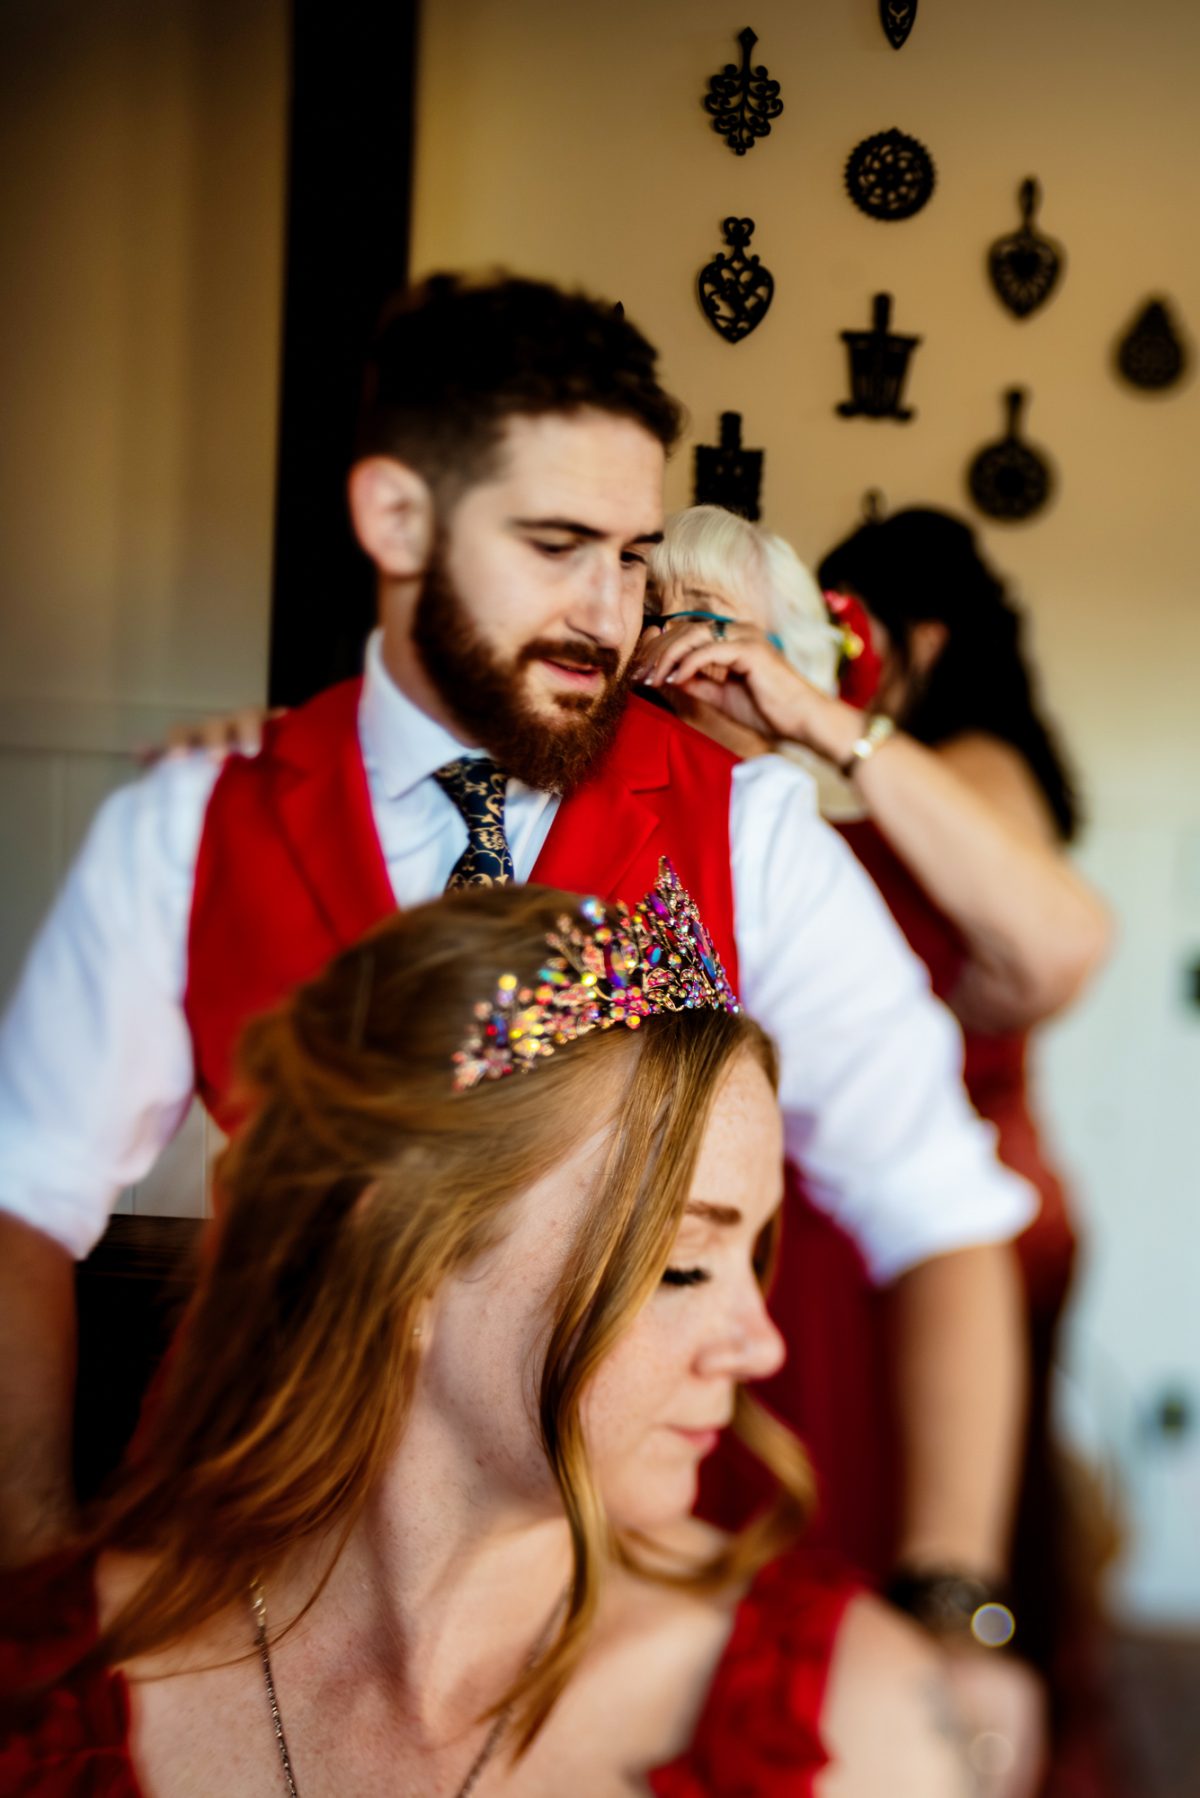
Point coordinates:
pixel 359 1183
pixel 707 546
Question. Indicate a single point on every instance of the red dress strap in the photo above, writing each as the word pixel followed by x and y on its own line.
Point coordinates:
pixel 758 1734
pixel 70 1737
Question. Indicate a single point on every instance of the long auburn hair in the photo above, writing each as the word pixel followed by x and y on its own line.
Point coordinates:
pixel 360 1181
pixel 921 564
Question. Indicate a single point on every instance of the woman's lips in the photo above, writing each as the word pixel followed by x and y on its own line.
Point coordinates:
pixel 703 1441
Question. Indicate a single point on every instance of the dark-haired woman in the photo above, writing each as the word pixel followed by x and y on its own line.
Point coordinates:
pixel 949 785
pixel 412 1510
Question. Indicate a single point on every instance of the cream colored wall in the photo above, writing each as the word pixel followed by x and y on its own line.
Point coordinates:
pixel 141 212
pixel 569 141
pixel 142 168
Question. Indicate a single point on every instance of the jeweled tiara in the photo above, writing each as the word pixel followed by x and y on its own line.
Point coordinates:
pixel 610 964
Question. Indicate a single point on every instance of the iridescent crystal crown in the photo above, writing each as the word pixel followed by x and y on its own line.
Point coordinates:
pixel 611 964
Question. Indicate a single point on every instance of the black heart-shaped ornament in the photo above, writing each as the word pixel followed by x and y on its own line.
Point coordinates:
pixel 735 289
pixel 1025 266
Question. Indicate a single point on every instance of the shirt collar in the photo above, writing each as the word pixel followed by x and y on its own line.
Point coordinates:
pixel 401 744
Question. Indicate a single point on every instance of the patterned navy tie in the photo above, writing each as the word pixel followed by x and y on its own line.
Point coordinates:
pixel 477 788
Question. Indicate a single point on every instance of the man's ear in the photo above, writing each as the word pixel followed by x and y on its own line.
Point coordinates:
pixel 926 641
pixel 393 514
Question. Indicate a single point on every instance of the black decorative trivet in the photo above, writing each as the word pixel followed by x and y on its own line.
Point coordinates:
pixel 1024 266
pixel 735 289
pixel 1152 355
pixel 878 366
pixel 1009 480
pixel 726 474
pixel 743 101
pixel 897 18
pixel 890 175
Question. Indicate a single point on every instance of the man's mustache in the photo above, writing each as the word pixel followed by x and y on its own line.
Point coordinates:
pixel 572 653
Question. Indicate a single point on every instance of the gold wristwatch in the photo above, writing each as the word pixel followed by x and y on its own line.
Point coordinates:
pixel 880 728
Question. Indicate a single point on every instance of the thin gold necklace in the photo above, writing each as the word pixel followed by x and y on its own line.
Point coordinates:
pixel 491 1742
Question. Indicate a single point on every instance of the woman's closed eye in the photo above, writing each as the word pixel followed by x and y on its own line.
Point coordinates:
pixel 685 1276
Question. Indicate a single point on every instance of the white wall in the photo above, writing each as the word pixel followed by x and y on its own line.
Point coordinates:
pixel 570 141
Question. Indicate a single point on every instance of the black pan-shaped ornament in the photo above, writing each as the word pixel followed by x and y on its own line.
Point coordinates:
pixel 1025 266
pixel 1008 479
pixel 897 18
pixel 1152 354
pixel 735 289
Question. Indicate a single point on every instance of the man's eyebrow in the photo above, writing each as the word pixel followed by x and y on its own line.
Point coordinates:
pixel 728 1215
pixel 572 526
pixel 559 524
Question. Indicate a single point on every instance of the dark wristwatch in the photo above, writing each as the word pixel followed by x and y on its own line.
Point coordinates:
pixel 956 1606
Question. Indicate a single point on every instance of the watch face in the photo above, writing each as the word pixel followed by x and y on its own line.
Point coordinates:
pixel 993 1624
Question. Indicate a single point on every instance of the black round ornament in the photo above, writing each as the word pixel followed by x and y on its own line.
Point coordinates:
pixel 1152 354
pixel 890 176
pixel 1008 479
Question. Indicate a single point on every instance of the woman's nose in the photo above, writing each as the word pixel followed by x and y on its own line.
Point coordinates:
pixel 749 1346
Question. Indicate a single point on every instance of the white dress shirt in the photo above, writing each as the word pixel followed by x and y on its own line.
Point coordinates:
pixel 95 1055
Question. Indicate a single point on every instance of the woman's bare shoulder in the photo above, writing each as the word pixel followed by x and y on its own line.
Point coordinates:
pixel 888 1722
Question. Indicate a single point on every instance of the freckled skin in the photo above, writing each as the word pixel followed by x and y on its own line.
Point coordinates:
pixel 676 1367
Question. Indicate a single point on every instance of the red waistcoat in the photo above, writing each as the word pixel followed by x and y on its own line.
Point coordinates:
pixel 290 869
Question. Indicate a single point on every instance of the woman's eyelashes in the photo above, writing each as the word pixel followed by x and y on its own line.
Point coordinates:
pixel 685 1276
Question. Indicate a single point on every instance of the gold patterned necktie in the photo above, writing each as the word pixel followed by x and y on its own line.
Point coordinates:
pixel 477 787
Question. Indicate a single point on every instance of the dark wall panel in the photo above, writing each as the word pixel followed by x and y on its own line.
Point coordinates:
pixel 350 178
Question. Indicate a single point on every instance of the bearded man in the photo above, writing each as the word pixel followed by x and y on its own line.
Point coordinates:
pixel 507 486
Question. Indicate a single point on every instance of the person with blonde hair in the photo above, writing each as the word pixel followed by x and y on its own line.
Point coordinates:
pixel 411 1509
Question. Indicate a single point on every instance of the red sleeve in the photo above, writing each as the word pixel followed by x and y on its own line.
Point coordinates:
pixel 758 1735
pixel 63 1734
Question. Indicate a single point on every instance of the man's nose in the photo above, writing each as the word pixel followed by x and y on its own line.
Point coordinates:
pixel 598 607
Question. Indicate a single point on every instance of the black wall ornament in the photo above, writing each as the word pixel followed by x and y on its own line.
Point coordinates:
pixel 1024 266
pixel 726 474
pixel 890 176
pixel 1152 355
pixel 874 506
pixel 744 100
pixel 897 18
pixel 735 289
pixel 1008 479
pixel 878 367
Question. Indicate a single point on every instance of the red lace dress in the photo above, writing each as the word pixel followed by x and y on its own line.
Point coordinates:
pixel 833 1390
pixel 757 1736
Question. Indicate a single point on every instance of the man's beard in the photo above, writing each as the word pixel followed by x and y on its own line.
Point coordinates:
pixel 486 695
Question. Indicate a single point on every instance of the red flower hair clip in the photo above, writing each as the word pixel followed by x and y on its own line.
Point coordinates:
pixel 860 666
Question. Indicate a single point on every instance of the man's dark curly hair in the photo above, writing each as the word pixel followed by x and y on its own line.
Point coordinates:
pixel 455 359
